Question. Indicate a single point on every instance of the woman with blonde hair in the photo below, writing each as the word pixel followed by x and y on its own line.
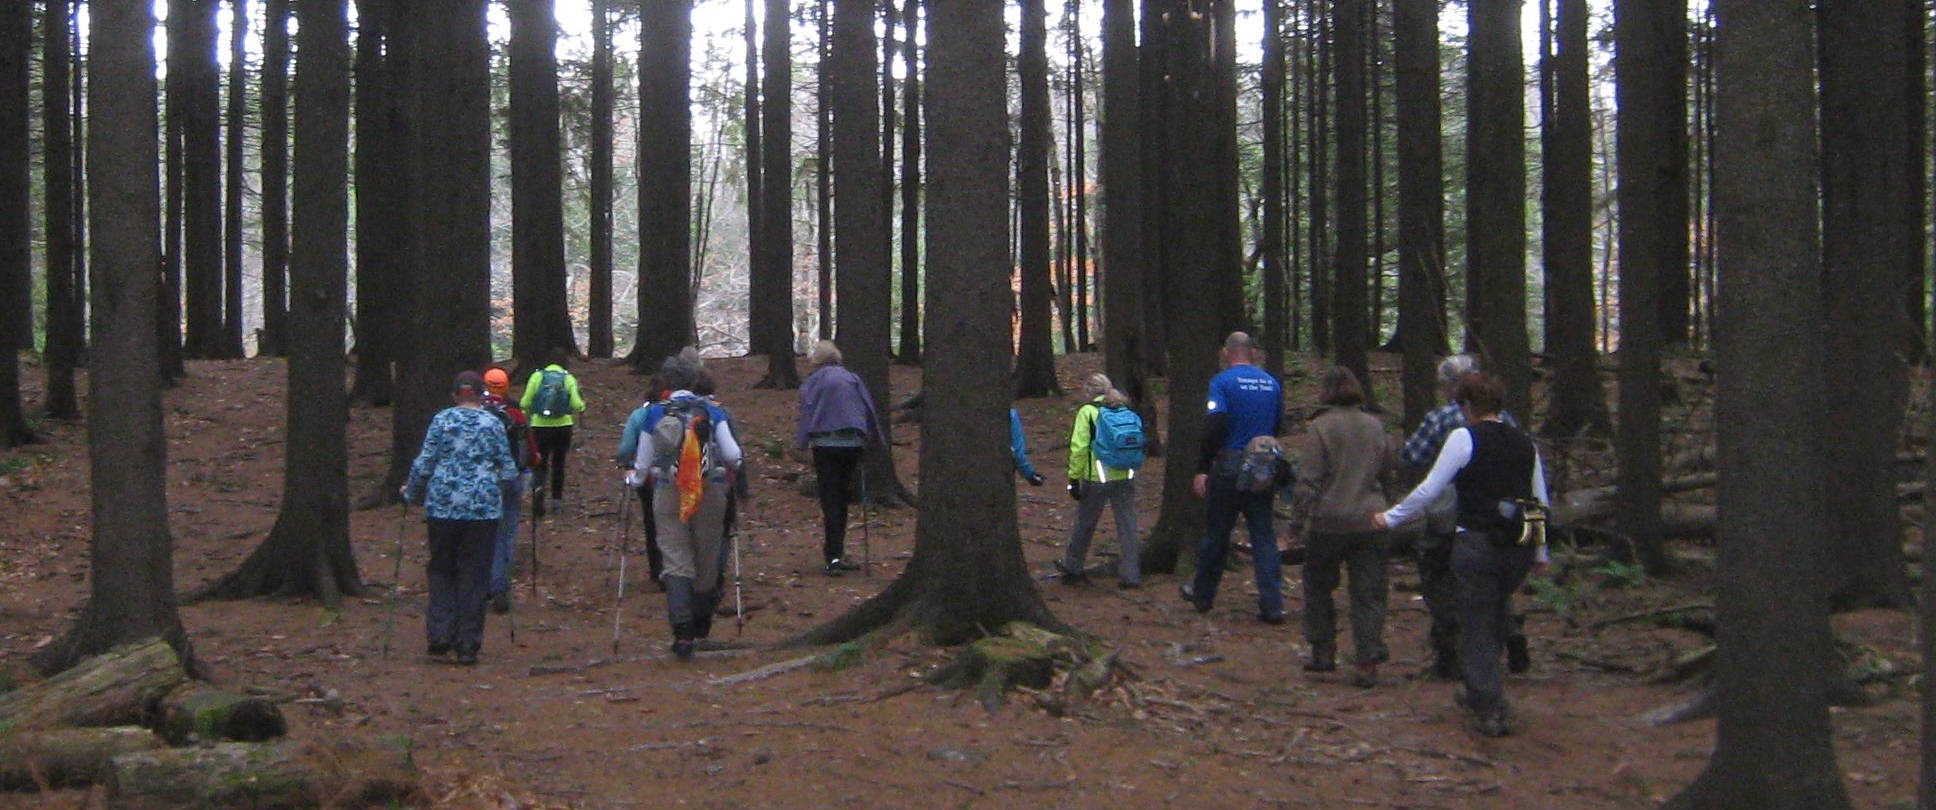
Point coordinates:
pixel 1101 472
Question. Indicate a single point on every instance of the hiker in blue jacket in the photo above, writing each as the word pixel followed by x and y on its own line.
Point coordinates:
pixel 456 477
pixel 1018 449
pixel 1245 403
pixel 1094 484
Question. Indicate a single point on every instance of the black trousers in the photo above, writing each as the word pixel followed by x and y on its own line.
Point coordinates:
pixel 834 469
pixel 554 443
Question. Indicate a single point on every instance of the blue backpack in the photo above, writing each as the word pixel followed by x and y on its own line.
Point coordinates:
pixel 1118 441
pixel 553 400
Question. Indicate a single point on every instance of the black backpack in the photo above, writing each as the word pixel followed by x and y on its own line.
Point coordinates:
pixel 515 432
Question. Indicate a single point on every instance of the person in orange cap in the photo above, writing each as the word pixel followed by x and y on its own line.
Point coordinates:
pixel 517 429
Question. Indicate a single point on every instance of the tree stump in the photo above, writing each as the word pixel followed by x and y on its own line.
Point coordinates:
pixel 197 711
pixel 286 774
pixel 67 757
pixel 118 687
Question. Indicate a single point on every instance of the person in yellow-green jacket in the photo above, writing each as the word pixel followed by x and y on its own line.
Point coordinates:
pixel 551 400
pixel 1105 450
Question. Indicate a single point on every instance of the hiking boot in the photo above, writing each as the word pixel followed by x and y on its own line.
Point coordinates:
pixel 1445 666
pixel 1364 675
pixel 1128 584
pixel 1272 619
pixel 466 658
pixel 1068 575
pixel 1322 659
pixel 1188 591
pixel 837 566
pixel 437 650
pixel 682 649
pixel 1491 725
pixel 1518 658
pixel 501 602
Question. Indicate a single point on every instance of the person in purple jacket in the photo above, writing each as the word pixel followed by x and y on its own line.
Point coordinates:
pixel 837 421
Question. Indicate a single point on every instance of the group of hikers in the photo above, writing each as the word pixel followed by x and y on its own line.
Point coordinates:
pixel 1482 498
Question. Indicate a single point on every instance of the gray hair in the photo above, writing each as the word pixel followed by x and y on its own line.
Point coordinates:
pixel 1098 385
pixel 682 371
pixel 824 353
pixel 1455 368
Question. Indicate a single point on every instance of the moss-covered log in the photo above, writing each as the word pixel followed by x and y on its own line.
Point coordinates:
pixel 118 687
pixel 66 757
pixel 197 711
pixel 270 775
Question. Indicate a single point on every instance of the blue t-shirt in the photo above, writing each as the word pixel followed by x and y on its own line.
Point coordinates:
pixel 1251 399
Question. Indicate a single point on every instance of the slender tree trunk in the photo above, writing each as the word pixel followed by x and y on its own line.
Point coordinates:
pixel 1773 745
pixel 1271 249
pixel 1124 342
pixel 911 190
pixel 1320 142
pixel 1421 202
pixel 202 180
pixel 1152 61
pixel 170 328
pixel 540 314
pixel 64 313
pixel 383 232
pixel 1652 189
pixel 1576 401
pixel 599 327
pixel 16 213
pixel 131 592
pixel 1035 359
pixel 823 177
pixel 755 195
pixel 1079 180
pixel 275 178
pixel 1495 197
pixel 1348 302
pixel 776 210
pixel 307 552
pixel 967 572
pixel 1865 171
pixel 232 143
pixel 665 183
pixel 1916 209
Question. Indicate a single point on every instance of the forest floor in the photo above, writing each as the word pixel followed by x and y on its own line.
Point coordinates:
pixel 1222 716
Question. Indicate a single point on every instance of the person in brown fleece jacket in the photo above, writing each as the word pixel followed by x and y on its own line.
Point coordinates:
pixel 1339 484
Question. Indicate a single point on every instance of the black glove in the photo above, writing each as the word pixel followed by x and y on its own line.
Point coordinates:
pixel 1035 479
pixel 1075 490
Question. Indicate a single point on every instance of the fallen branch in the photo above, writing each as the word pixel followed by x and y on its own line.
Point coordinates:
pixel 768 671
pixel 1648 614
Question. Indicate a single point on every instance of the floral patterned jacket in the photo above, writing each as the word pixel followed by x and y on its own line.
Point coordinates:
pixel 464 457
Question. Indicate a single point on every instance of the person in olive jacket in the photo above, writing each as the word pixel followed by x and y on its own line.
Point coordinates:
pixel 1339 484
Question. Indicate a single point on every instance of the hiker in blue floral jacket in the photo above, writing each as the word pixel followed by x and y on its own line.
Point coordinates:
pixel 456 477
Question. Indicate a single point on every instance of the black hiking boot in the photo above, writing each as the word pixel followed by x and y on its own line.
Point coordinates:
pixel 1069 575
pixel 1518 658
pixel 501 602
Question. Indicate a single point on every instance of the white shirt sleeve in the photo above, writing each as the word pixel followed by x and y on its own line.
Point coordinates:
pixel 728 447
pixel 1453 457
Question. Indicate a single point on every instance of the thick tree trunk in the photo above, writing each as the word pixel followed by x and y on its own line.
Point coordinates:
pixel 1349 327
pixel 275 180
pixel 1577 404
pixel 198 712
pixel 1496 197
pixel 201 111
pixel 755 192
pixel 1035 358
pixel 1270 249
pixel 232 175
pixel 285 774
pixel 1421 203
pixel 599 339
pixel 911 189
pixel 67 757
pixel 65 316
pixel 382 189
pixel 773 299
pixel 117 687
pixel 16 216
pixel 1124 344
pixel 540 315
pixel 665 185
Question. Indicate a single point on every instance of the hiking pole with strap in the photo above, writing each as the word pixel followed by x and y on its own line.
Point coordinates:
pixel 624 532
pixel 739 602
pixel 396 581
pixel 534 556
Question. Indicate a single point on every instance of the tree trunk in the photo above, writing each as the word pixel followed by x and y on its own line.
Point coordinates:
pixel 1865 171
pixel 383 231
pixel 1496 197
pixel 1124 343
pixel 64 314
pixel 1577 403
pixel 599 338
pixel 284 774
pixel 119 686
pixel 755 192
pixel 1421 202
pixel 1319 145
pixel 1271 187
pixel 1035 358
pixel 1773 745
pixel 67 757
pixel 16 215
pixel 132 586
pixel 1349 329
pixel 275 180
pixel 169 327
pixel 197 712
pixel 911 190
pixel 823 179
pixel 232 173
pixel 773 300
pixel 1652 188
pixel 665 185
pixel 307 552
pixel 201 112
pixel 540 316
pixel 967 572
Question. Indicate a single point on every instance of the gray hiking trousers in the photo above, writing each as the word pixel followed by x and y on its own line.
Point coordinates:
pixel 1120 496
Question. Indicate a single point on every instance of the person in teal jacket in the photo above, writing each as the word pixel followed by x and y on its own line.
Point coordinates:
pixel 551 400
pixel 1093 484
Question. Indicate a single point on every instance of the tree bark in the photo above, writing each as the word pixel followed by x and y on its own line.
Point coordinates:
pixel 1496 197
pixel 1035 358
pixel 1271 187
pixel 383 232
pixel 755 191
pixel 773 300
pixel 665 185
pixel 197 712
pixel 1421 202
pixel 16 215
pixel 1865 171
pixel 275 179
pixel 599 338
pixel 1773 743
pixel 337 773
pixel 201 111
pixel 540 316
pixel 65 316
pixel 117 687
pixel 967 572
pixel 911 189
pixel 307 552
pixel 1124 344
pixel 1576 402
pixel 67 757
pixel 232 143
pixel 1349 326
pixel 132 591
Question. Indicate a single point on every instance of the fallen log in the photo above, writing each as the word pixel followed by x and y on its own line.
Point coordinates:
pixel 343 773
pixel 1676 519
pixel 66 757
pixel 116 688
pixel 196 711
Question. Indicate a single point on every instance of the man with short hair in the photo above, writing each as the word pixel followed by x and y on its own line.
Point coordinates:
pixel 1435 580
pixel 1245 402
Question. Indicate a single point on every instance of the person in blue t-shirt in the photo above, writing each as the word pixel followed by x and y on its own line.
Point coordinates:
pixel 1245 402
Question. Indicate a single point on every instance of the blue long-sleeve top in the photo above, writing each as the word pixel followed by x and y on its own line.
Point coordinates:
pixel 464 457
pixel 1018 445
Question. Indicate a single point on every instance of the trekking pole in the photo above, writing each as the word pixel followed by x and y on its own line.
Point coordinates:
pixel 739 602
pixel 866 520
pixel 511 613
pixel 534 556
pixel 618 610
pixel 396 581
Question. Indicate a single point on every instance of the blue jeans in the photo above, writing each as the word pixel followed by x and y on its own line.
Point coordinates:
pixel 1222 504
pixel 460 574
pixel 507 535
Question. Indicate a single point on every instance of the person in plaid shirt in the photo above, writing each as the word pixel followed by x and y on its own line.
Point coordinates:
pixel 1435 580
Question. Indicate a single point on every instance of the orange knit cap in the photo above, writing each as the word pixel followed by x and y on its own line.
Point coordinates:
pixel 497 382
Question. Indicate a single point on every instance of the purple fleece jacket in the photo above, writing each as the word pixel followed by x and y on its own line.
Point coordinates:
pixel 833 398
